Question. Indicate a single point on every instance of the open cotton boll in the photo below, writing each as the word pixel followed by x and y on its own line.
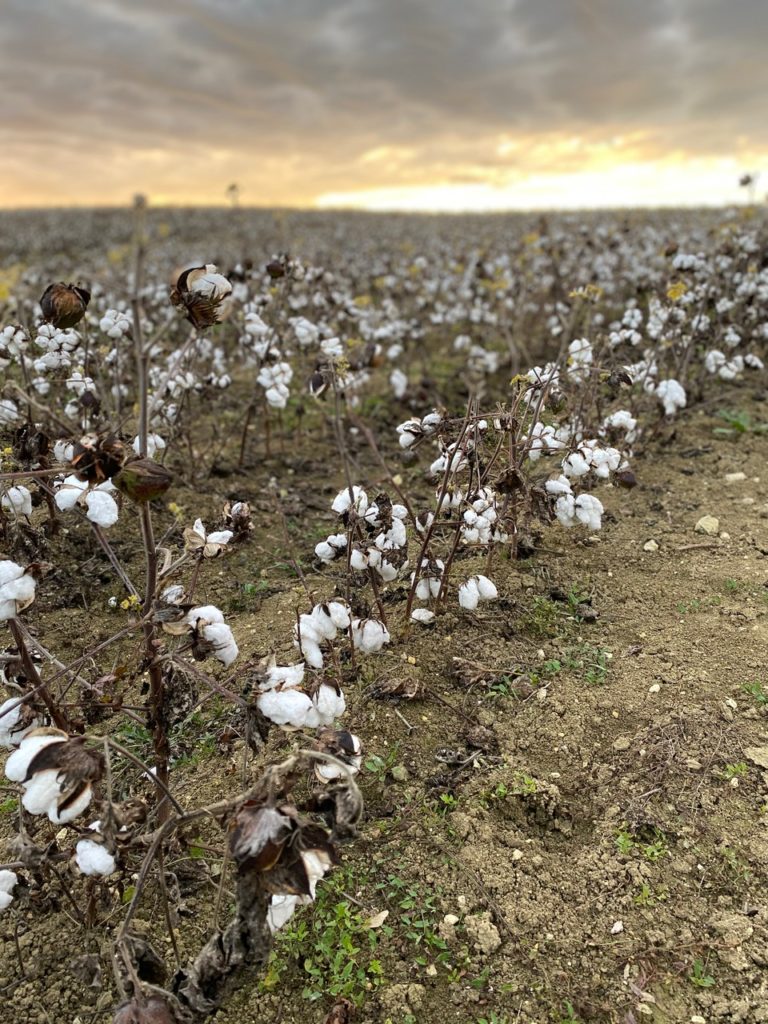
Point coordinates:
pixel 8 879
pixel 357 560
pixel 63 451
pixel 329 704
pixel 310 649
pixel 42 792
pixel 317 864
pixel 285 707
pixel 469 594
pixel 285 676
pixel 220 635
pixel 68 492
pixel 209 612
pixel 19 500
pixel 589 510
pixel 17 590
pixel 173 594
pixel 17 765
pixel 486 588
pixel 211 285
pixel 343 502
pixel 339 613
pixel 282 908
pixel 423 615
pixel 74 810
pixel 10 713
pixel 102 509
pixel 155 443
pixel 94 858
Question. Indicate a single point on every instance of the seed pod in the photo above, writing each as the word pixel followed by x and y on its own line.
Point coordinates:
pixel 626 478
pixel 64 305
pixel 96 459
pixel 143 480
pixel 200 292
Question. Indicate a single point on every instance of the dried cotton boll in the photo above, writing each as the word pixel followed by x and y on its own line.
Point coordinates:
pixel 344 746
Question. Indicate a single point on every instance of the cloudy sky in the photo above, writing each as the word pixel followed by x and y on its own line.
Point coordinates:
pixel 408 104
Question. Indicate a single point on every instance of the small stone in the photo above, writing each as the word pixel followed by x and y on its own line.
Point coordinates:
pixel 654 689
pixel 400 773
pixel 517 855
pixel 709 525
pixel 451 919
pixel 757 754
pixel 617 927
pixel 431 971
pixel 698 1019
pixel 650 545
pixel 622 743
pixel 735 478
pixel 725 536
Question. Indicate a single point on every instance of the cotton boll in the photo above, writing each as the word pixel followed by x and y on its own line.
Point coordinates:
pixel 281 910
pixel 94 858
pixel 63 451
pixel 74 810
pixel 10 713
pixel 317 864
pixel 68 492
pixel 173 594
pixel 17 765
pixel 209 612
pixel 212 285
pixel 357 560
pixel 486 588
pixel 329 704
pixel 17 590
pixel 423 615
pixel 469 595
pixel 285 707
pixel 19 500
pixel 155 443
pixel 343 502
pixel 339 613
pixel 423 589
pixel 285 676
pixel 220 635
pixel 311 652
pixel 560 485
pixel 589 510
pixel 42 792
pixel 102 509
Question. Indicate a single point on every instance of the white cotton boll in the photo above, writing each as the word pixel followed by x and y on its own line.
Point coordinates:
pixel 220 635
pixel 339 613
pixel 209 612
pixel 10 712
pixel 357 560
pixel 575 465
pixel 17 590
pixel 469 595
pixel 19 499
pixel 311 650
pixel 75 809
pixel 219 537
pixel 486 588
pixel 387 571
pixel 173 594
pixel 470 535
pixel 316 864
pixel 277 396
pixel 63 451
pixel 564 510
pixel 343 502
pixel 375 635
pixel 423 589
pixel 9 411
pixel 94 858
pixel 422 615
pixel 332 348
pixel 8 879
pixel 329 704
pixel 18 763
pixel 672 396
pixel 42 792
pixel 211 285
pixel 5 900
pixel 753 362
pixel 589 510
pixel 286 676
pixel 399 383
pixel 155 443
pixel 285 707
pixel 102 509
pixel 560 485
pixel 323 623
pixel 281 910
pixel 68 492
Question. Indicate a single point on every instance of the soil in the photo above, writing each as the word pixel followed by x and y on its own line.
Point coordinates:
pixel 575 801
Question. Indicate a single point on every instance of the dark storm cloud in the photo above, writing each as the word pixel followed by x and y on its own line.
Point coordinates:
pixel 303 88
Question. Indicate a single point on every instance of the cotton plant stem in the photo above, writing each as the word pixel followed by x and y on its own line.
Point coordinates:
pixel 58 717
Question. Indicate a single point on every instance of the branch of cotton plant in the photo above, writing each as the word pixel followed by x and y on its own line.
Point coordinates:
pixel 145 770
pixel 427 538
pixel 30 669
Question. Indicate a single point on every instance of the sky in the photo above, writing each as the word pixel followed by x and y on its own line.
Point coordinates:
pixel 383 104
